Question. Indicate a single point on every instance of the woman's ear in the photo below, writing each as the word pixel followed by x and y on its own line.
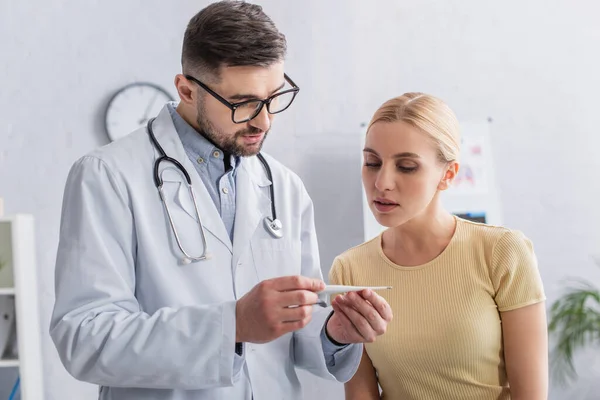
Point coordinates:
pixel 451 170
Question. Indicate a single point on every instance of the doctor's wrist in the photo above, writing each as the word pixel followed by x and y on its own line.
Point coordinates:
pixel 332 340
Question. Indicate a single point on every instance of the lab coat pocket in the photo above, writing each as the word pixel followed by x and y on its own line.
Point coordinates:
pixel 275 257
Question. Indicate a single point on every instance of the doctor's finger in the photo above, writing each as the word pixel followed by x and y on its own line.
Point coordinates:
pixel 367 309
pixel 287 327
pixel 380 304
pixel 298 298
pixel 297 282
pixel 296 314
pixel 351 330
pixel 362 325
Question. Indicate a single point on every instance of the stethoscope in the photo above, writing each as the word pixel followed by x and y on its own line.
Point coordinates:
pixel 272 224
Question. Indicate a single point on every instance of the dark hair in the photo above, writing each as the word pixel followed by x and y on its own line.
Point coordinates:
pixel 230 33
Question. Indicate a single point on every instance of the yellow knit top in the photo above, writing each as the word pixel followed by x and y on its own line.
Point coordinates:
pixel 445 340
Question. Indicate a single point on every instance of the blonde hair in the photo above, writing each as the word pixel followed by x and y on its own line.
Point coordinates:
pixel 428 114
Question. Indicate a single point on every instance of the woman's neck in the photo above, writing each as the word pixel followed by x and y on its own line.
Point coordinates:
pixel 421 239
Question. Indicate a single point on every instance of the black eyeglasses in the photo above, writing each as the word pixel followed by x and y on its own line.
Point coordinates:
pixel 244 111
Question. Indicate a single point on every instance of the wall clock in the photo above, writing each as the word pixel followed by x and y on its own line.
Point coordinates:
pixel 132 106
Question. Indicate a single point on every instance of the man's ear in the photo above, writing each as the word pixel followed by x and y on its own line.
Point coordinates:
pixel 185 89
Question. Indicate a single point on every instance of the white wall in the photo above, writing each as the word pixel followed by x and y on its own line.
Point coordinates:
pixel 531 66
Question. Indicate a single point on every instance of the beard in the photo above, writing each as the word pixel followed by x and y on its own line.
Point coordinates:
pixel 227 142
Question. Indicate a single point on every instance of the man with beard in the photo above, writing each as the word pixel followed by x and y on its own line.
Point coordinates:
pixel 187 265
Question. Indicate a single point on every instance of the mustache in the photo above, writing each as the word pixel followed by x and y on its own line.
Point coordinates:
pixel 249 131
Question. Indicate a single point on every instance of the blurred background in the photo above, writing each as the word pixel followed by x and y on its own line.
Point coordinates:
pixel 521 76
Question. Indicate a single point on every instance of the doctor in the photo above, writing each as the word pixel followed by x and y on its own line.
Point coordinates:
pixel 167 293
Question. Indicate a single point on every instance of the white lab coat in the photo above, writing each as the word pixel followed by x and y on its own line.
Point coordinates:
pixel 132 318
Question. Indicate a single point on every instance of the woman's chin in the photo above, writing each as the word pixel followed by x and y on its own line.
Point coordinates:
pixel 390 220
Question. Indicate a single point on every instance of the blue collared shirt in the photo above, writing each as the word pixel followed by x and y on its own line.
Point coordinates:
pixel 210 164
pixel 208 161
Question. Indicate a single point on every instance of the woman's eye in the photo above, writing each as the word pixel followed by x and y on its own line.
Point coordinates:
pixel 372 164
pixel 407 169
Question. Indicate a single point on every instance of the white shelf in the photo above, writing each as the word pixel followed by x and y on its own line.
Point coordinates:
pixel 17 245
pixel 7 291
pixel 9 363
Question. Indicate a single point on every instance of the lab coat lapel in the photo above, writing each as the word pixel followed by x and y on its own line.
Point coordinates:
pixel 252 204
pixel 167 136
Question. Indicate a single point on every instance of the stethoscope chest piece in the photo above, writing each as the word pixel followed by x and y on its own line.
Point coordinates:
pixel 274 227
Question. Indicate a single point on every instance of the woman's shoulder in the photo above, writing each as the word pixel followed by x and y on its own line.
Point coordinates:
pixel 360 251
pixel 493 240
pixel 488 234
pixel 346 265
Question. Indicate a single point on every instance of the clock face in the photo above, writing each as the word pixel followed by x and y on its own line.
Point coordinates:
pixel 132 106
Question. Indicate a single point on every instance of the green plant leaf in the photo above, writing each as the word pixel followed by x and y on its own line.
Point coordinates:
pixel 575 322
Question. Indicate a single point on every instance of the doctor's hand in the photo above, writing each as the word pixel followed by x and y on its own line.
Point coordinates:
pixel 264 313
pixel 359 317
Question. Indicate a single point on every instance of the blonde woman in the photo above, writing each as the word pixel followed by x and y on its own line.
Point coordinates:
pixel 468 303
